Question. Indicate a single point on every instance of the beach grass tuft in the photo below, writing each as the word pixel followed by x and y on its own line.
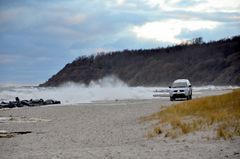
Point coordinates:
pixel 219 113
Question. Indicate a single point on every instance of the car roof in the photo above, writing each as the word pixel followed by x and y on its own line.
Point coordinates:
pixel 181 80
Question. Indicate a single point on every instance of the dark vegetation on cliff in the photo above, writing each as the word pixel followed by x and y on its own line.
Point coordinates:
pixel 216 62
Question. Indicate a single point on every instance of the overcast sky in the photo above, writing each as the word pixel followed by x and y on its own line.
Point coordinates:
pixel 38 38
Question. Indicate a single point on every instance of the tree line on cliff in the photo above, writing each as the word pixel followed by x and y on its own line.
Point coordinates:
pixel 215 62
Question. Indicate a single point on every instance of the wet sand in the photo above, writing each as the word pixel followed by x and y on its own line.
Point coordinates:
pixel 106 129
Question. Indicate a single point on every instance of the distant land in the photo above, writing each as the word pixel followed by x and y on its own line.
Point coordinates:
pixel 212 63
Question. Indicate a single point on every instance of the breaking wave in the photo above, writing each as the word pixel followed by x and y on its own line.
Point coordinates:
pixel 108 88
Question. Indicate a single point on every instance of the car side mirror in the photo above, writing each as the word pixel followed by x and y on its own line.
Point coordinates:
pixel 169 86
pixel 190 85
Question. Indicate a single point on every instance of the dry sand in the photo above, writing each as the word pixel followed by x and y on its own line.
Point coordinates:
pixel 101 130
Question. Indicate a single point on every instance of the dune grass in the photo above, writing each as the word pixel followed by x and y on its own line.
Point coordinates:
pixel 218 113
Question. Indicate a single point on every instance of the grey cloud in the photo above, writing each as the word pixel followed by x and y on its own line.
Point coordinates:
pixel 224 30
pixel 184 3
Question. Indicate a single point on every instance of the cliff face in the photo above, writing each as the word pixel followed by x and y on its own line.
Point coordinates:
pixel 215 63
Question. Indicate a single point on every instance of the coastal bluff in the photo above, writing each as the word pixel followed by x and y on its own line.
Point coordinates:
pixel 211 63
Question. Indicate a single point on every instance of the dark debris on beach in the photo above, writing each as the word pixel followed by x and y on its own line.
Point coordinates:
pixel 28 103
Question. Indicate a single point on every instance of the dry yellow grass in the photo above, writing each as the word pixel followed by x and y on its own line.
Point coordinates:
pixel 219 113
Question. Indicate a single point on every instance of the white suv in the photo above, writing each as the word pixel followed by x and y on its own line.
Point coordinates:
pixel 180 88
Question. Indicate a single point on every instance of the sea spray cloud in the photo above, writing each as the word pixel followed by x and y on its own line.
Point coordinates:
pixel 108 88
pixel 108 81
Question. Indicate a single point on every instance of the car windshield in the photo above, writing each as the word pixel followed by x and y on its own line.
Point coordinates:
pixel 179 84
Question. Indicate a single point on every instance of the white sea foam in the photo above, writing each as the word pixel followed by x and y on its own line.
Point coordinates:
pixel 108 88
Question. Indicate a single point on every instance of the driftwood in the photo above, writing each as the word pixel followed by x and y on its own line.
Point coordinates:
pixel 7 134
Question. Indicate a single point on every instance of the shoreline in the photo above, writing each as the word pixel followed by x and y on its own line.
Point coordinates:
pixel 104 129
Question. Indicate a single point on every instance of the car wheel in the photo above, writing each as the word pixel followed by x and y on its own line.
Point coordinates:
pixel 172 99
pixel 190 97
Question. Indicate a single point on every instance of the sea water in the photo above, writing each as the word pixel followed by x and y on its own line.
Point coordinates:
pixel 104 89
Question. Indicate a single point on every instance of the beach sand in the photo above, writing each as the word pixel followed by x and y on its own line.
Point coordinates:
pixel 103 129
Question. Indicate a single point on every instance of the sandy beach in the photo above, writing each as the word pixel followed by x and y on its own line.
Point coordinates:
pixel 103 129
